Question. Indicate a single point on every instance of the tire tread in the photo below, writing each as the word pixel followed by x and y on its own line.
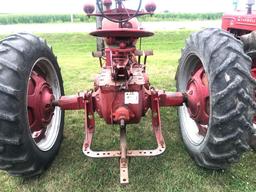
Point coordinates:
pixel 229 132
pixel 17 50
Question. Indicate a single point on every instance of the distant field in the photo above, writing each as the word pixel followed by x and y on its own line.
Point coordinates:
pixel 63 18
pixel 174 171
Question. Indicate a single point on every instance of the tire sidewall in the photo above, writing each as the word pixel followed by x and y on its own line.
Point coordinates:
pixel 194 149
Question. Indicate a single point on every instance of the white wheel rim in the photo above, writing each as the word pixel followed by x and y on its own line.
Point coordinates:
pixel 53 128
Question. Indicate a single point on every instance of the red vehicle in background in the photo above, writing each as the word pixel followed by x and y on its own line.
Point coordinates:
pixel 240 22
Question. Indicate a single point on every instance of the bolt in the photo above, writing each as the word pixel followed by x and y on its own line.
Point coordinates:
pixel 47 106
pixel 123 161
pixel 90 127
pixel 86 146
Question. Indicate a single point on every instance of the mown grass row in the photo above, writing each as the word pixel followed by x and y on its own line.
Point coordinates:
pixel 63 18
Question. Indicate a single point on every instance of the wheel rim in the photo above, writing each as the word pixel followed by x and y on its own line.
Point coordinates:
pixel 44 119
pixel 194 115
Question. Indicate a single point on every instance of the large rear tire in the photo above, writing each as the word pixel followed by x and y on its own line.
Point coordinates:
pixel 225 135
pixel 28 64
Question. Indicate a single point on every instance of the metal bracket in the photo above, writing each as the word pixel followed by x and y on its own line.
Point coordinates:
pixel 123 153
pixel 130 153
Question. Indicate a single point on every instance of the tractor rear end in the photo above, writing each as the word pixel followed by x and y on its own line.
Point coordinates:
pixel 215 95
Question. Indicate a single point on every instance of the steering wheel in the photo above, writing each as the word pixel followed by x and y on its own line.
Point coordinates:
pixel 100 7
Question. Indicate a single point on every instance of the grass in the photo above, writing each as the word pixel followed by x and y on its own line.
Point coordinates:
pixel 173 171
pixel 64 18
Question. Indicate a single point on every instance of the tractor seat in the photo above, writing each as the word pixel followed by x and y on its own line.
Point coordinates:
pixel 121 32
pixel 129 29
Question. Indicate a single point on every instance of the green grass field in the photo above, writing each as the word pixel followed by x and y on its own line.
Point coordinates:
pixel 64 18
pixel 173 171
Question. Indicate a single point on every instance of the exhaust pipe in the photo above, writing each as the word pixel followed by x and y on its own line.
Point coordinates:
pixel 250 3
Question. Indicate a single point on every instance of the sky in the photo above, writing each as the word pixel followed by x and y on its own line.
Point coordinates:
pixel 75 6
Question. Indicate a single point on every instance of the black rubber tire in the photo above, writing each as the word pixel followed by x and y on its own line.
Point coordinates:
pixel 231 97
pixel 19 154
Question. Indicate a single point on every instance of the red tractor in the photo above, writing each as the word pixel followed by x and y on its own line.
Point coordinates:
pixel 215 95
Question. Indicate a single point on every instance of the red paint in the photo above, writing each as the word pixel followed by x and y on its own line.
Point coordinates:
pixel 107 3
pixel 108 53
pixel 253 72
pixel 198 97
pixel 122 90
pixel 40 109
pixel 168 99
pixel 156 118
pixel 239 20
pixel 121 75
pixel 150 6
pixel 73 102
pixel 110 105
pixel 110 97
pixel 122 32
pixel 122 113
pixel 89 8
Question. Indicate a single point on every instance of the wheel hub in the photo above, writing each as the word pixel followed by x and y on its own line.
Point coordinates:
pixel 40 108
pixel 198 99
